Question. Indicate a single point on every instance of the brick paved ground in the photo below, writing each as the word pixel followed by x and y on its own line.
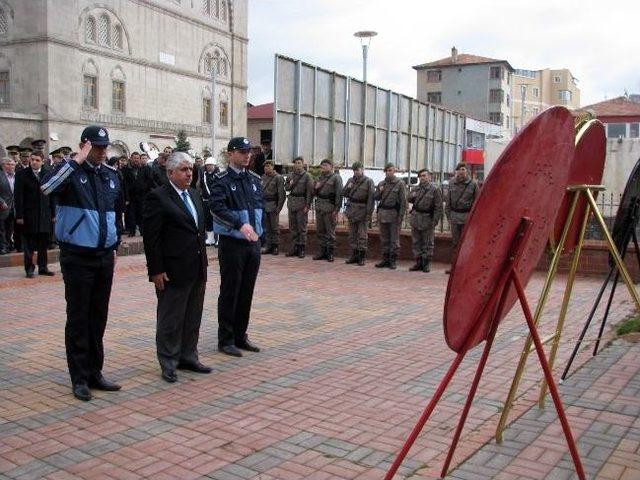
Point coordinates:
pixel 351 357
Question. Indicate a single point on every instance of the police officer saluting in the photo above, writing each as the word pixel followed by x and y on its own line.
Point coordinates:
pixel 87 194
pixel 237 208
pixel 426 198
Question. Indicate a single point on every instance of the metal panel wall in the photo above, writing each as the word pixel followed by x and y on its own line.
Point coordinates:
pixel 323 114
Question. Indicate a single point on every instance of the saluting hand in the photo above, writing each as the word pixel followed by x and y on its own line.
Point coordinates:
pixel 159 279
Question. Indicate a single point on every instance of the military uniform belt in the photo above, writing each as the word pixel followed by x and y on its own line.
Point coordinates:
pixel 353 200
pixel 326 197
pixel 461 210
pixel 297 194
pixel 421 210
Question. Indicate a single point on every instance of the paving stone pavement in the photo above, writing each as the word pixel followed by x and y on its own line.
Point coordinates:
pixel 351 356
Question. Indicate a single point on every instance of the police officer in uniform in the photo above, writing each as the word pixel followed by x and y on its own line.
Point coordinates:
pixel 426 198
pixel 300 188
pixel 88 227
pixel 359 193
pixel 237 208
pixel 391 194
pixel 274 197
pixel 328 192
pixel 460 197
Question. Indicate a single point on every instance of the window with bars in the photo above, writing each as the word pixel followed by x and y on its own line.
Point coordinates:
pixel 104 35
pixel 118 96
pixel 206 110
pixel 4 88
pixel 434 76
pixel 117 37
pixel 4 24
pixel 495 117
pixel 90 92
pixel 434 97
pixel 224 113
pixel 223 67
pixel 206 7
pixel 496 72
pixel 496 95
pixel 90 30
pixel 216 8
pixel 223 11
pixel 216 62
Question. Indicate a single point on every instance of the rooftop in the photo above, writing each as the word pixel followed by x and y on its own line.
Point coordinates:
pixel 622 106
pixel 461 59
pixel 260 112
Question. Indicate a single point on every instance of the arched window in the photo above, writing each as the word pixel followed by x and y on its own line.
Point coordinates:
pixel 223 10
pixel 117 37
pixel 90 30
pixel 223 67
pixel 4 23
pixel 104 34
pixel 208 63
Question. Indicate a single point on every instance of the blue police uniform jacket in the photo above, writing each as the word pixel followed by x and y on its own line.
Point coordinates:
pixel 87 200
pixel 236 199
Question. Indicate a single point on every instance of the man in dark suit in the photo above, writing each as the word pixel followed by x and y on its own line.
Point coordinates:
pixel 173 234
pixel 7 209
pixel 35 213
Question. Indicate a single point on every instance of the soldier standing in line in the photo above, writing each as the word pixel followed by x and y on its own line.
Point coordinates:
pixel 328 190
pixel 426 198
pixel 274 197
pixel 460 197
pixel 359 193
pixel 300 188
pixel 392 205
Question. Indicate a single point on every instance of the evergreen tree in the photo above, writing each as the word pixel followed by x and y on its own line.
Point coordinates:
pixel 182 144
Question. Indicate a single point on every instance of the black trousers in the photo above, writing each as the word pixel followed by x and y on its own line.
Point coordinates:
pixel 5 240
pixel 32 243
pixel 179 315
pixel 87 289
pixel 8 230
pixel 133 216
pixel 17 235
pixel 239 264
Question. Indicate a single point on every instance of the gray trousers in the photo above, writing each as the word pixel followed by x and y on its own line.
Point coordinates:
pixel 422 242
pixel 325 229
pixel 390 238
pixel 358 235
pixel 272 228
pixel 298 227
pixel 178 324
pixel 456 232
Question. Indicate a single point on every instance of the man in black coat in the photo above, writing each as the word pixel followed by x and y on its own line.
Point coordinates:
pixel 173 234
pixel 35 213
pixel 7 209
pixel 137 183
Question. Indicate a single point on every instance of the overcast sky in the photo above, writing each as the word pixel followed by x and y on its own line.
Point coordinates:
pixel 598 41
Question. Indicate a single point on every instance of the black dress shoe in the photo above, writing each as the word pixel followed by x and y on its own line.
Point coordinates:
pixel 230 350
pixel 169 376
pixel 30 275
pixel 194 367
pixel 81 391
pixel 46 272
pixel 247 345
pixel 101 383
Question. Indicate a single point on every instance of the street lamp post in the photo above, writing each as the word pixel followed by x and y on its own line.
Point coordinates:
pixel 365 39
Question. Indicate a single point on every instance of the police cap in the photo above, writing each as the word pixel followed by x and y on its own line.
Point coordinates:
pixel 40 143
pixel 96 134
pixel 25 151
pixel 239 143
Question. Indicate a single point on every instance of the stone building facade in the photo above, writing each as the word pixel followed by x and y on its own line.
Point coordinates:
pixel 142 68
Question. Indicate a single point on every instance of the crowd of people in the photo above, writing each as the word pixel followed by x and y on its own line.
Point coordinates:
pixel 85 202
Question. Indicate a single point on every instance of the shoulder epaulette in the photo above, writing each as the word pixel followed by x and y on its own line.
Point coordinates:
pixel 110 167
pixel 221 174
pixel 254 174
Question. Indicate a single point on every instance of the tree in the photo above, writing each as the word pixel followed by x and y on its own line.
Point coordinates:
pixel 182 144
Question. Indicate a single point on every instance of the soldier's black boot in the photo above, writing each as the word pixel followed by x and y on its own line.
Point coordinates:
pixel 384 262
pixel 426 264
pixel 417 266
pixel 322 254
pixel 330 254
pixel 392 261
pixel 301 251
pixel 293 252
pixel 353 258
pixel 361 254
pixel 274 249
